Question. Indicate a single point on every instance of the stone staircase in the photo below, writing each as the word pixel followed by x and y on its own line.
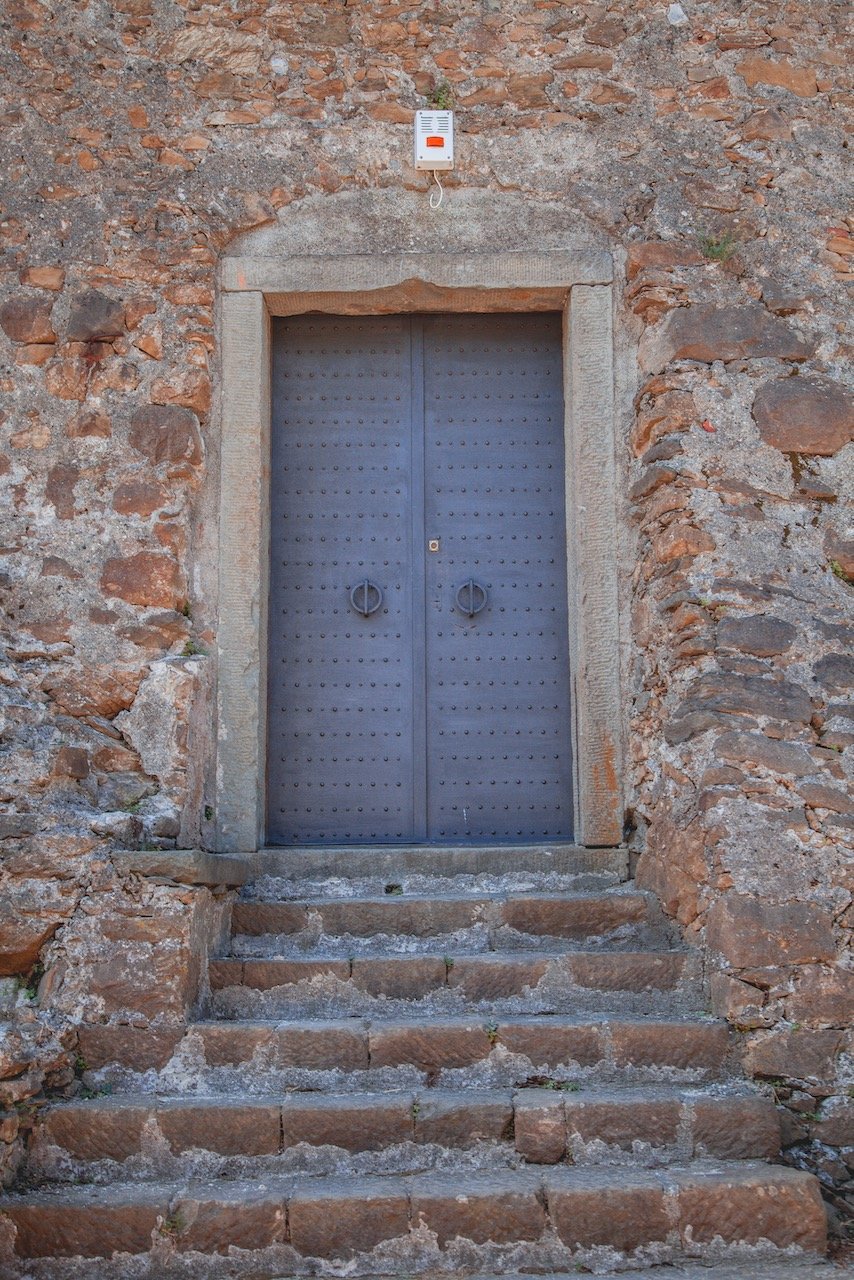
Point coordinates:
pixel 423 1061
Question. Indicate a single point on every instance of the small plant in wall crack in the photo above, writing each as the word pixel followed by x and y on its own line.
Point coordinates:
pixel 717 248
pixel 442 97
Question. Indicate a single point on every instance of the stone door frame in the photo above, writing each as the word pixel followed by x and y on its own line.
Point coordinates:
pixel 577 283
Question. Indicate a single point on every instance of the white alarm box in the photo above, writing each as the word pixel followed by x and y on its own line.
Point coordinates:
pixel 434 139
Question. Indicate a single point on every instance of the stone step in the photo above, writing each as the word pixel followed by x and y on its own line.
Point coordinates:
pixel 479 977
pixel 556 915
pixel 491 983
pixel 245 1054
pixel 394 861
pixel 544 1126
pixel 665 1214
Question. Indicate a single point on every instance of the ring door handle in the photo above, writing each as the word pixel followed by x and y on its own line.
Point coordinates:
pixel 366 597
pixel 471 597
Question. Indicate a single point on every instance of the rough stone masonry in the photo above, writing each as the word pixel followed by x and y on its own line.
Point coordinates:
pixel 705 143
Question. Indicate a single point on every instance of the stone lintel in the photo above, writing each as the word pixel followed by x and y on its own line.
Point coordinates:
pixel 409 280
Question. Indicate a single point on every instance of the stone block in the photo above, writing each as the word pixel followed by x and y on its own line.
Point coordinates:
pixel 700 1046
pixel 758 634
pixel 751 932
pixel 627 971
pixel 573 918
pixel 782 1206
pixel 769 753
pixel 823 996
pixel 808 415
pixel 462 1120
pixel 539 1126
pixel 341 1221
pixel 257 918
pixel 226 1127
pixel 399 977
pixel 735 1128
pixel 27 319
pixel 619 1122
pixel 148 578
pixel 95 1130
pixel 94 317
pixel 429 1046
pixel 166 433
pixel 494 1208
pixel 252 1219
pixel 624 1218
pixel 706 332
pixel 96 1230
pixel 495 976
pixel 263 975
pixel 552 1042
pixel 798 1055
pixel 364 1123
pixel 137 1048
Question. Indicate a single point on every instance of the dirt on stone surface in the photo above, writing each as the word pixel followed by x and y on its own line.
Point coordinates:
pixel 707 152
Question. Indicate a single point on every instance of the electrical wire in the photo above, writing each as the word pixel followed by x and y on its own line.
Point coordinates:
pixel 434 203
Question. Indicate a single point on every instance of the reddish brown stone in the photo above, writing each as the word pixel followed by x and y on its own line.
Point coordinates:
pixel 89 423
pixel 497 1208
pixel 139 498
pixel 492 977
pixel 749 932
pixel 573 918
pixel 59 489
pixel 166 433
pixel 94 317
pixel 257 918
pixel 148 578
pixel 429 1047
pixel 366 1123
pixel 27 319
pixel 529 91
pixel 71 762
pixel 779 1205
pixel 823 996
pixel 95 1130
pixel 227 1127
pixel 263 975
pixel 464 1119
pixel 191 389
pixel 539 1126
pixel 249 1219
pixel 769 753
pixel 21 940
pixel 759 70
pixel 551 1042
pixel 680 540
pixel 620 1123
pixel 399 977
pixel 736 1128
pixel 338 1222
pixel 705 333
pixel 807 415
pixel 768 125
pixel 86 694
pixel 627 971
pixel 51 278
pixel 139 1048
pixel 758 634
pixel 100 1228
pixel 623 1217
pixel 799 1055
pixel 701 1046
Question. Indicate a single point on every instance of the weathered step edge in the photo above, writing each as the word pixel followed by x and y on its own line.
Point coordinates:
pixel 684 1212
pixel 358 861
pixel 429 1044
pixel 542 1125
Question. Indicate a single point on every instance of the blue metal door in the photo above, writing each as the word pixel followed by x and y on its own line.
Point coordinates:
pixel 418 686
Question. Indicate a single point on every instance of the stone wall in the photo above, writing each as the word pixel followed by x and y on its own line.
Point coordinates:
pixel 704 143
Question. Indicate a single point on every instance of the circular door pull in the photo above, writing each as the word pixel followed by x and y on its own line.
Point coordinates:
pixel 366 597
pixel 471 597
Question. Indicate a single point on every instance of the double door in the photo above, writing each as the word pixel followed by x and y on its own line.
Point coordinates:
pixel 418 683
